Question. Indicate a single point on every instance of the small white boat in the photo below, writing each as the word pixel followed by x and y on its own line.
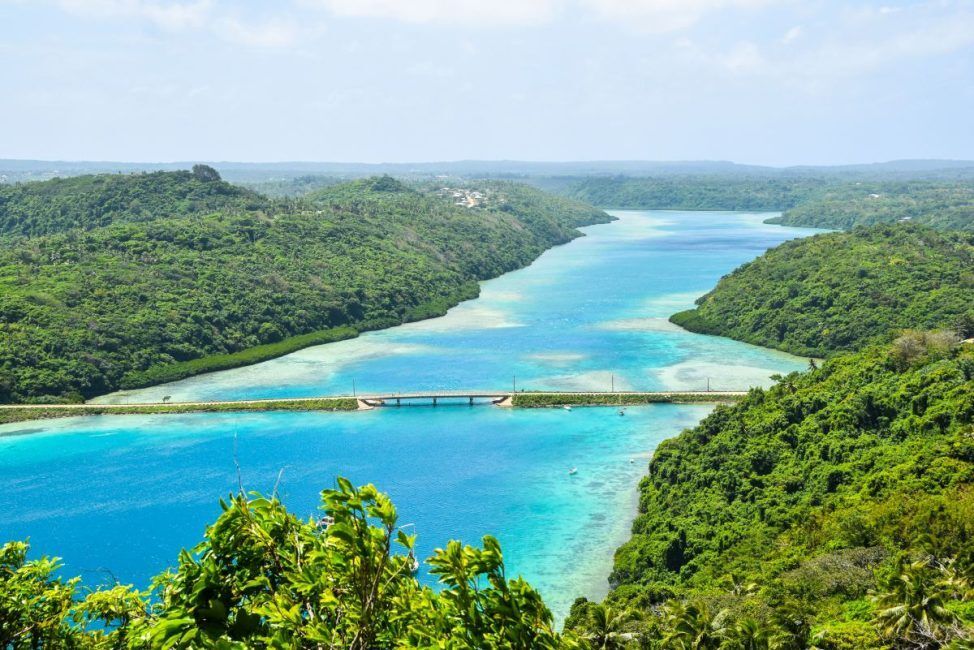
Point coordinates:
pixel 573 471
pixel 632 460
pixel 567 407
pixel 622 411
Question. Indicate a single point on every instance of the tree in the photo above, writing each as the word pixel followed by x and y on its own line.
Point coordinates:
pixel 690 626
pixel 912 606
pixel 747 634
pixel 34 603
pixel 206 173
pixel 262 578
pixel 607 627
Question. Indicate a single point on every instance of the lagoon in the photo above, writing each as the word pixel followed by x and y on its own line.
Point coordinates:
pixel 585 316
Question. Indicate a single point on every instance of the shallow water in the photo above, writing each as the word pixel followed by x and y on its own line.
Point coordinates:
pixel 583 316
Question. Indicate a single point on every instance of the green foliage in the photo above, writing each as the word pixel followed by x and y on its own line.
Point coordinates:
pixel 262 578
pixel 172 372
pixel 86 202
pixel 549 400
pixel 841 291
pixel 34 604
pixel 136 301
pixel 831 201
pixel 698 192
pixel 912 606
pixel 834 509
pixel 25 413
pixel 292 187
pixel 945 206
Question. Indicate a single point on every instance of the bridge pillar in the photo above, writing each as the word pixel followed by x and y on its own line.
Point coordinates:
pixel 398 402
pixel 471 401
pixel 434 401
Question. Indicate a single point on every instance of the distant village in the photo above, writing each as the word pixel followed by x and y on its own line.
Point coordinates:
pixel 464 197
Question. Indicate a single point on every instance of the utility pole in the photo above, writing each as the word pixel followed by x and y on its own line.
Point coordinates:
pixel 515 382
pixel 353 388
pixel 613 389
pixel 708 384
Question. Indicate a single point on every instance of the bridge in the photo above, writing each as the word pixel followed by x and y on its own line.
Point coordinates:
pixel 521 399
pixel 548 398
pixel 435 398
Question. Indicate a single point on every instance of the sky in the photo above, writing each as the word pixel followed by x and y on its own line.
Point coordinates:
pixel 776 82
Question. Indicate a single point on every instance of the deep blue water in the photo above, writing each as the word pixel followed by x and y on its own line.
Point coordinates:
pixel 123 494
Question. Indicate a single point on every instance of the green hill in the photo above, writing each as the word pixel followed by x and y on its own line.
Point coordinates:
pixel 814 513
pixel 836 201
pixel 135 302
pixel 86 202
pixel 698 192
pixel 839 291
pixel 945 206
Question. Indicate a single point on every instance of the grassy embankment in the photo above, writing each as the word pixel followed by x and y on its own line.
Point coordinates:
pixel 10 414
pixel 543 400
pixel 173 372
pixel 25 413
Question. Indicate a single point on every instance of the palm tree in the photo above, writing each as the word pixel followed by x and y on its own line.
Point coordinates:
pixel 747 634
pixel 793 626
pixel 690 627
pixel 912 607
pixel 607 628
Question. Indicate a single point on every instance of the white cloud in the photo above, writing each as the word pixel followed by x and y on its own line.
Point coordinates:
pixel 271 33
pixel 792 35
pixel 855 44
pixel 192 15
pixel 743 58
pixel 459 12
pixel 662 16
pixel 173 16
pixel 875 40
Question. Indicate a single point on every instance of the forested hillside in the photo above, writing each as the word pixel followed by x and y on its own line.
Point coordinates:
pixel 833 201
pixel 699 192
pixel 945 206
pixel 130 298
pixel 840 291
pixel 834 510
pixel 86 202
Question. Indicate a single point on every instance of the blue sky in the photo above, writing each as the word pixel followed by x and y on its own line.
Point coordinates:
pixel 755 81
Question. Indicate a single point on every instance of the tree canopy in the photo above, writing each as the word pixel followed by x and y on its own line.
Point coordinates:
pixel 841 291
pixel 834 510
pixel 833 201
pixel 941 205
pixel 262 578
pixel 123 300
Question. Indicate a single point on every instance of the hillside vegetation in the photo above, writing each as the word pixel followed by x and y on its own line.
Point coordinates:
pixel 834 510
pixel 86 202
pixel 833 201
pixel 699 192
pixel 938 205
pixel 129 299
pixel 840 291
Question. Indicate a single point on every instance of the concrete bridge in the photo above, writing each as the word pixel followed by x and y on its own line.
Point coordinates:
pixel 521 399
pixel 397 399
pixel 505 398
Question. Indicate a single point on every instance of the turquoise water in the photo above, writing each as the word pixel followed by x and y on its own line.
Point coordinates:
pixel 584 315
